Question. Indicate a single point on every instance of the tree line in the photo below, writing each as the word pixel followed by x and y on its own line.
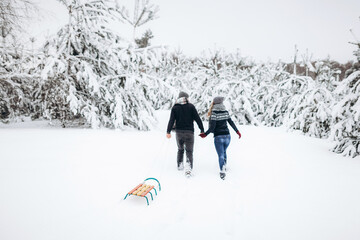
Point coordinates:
pixel 88 75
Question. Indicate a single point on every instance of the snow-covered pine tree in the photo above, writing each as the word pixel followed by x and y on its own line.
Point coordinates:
pixel 272 100
pixel 11 93
pixel 346 115
pixel 90 75
pixel 346 110
pixel 294 86
pixel 144 41
pixel 326 75
pixel 311 110
pixel 140 68
pixel 312 113
pixel 15 80
pixel 208 72
pixel 219 74
pixel 177 72
pixel 74 60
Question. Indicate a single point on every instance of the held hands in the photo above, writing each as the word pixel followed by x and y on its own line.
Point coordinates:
pixel 202 135
pixel 238 133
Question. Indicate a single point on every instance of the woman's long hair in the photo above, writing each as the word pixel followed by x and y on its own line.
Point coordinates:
pixel 210 109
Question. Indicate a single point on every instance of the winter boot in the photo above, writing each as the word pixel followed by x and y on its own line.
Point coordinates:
pixel 181 166
pixel 222 175
pixel 188 170
pixel 225 165
pixel 224 168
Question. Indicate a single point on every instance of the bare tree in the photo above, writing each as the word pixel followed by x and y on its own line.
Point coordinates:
pixel 306 61
pixel 295 59
pixel 144 12
pixel 357 43
pixel 12 16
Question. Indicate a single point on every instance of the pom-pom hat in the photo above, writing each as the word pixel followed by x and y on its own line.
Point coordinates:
pixel 183 94
pixel 218 100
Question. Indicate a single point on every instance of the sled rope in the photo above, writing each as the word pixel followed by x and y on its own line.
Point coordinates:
pixel 143 189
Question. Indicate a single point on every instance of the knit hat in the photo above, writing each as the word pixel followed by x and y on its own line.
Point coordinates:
pixel 218 100
pixel 183 94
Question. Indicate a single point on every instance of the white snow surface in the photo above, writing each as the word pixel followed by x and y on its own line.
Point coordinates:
pixel 70 183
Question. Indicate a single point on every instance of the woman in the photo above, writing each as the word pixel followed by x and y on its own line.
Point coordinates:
pixel 219 118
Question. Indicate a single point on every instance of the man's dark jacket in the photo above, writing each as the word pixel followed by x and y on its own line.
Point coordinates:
pixel 184 115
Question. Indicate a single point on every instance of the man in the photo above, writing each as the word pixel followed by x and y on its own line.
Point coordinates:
pixel 183 115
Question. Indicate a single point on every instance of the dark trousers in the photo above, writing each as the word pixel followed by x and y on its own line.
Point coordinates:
pixel 185 142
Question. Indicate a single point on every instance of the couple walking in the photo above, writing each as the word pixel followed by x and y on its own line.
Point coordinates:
pixel 182 117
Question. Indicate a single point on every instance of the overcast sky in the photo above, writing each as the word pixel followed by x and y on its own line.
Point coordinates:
pixel 261 29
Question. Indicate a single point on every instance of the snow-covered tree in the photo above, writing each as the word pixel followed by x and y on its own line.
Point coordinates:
pixel 13 16
pixel 10 91
pixel 144 41
pixel 16 81
pixel 346 115
pixel 144 11
pixel 272 99
pixel 325 74
pixel 218 74
pixel 88 74
pixel 287 91
pixel 310 107
pixel 91 74
pixel 312 112
pixel 346 111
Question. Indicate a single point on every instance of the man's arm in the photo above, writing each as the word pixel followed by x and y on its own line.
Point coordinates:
pixel 198 120
pixel 171 121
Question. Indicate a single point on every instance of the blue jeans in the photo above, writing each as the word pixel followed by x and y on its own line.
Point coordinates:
pixel 221 143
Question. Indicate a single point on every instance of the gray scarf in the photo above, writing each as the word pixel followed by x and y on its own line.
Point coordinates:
pixel 219 107
pixel 182 100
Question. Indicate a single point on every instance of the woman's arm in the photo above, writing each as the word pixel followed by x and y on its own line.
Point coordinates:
pixel 212 125
pixel 232 124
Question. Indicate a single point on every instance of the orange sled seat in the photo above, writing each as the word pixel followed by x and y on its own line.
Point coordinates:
pixel 143 189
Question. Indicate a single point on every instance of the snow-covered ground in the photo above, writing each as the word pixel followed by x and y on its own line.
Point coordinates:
pixel 70 183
